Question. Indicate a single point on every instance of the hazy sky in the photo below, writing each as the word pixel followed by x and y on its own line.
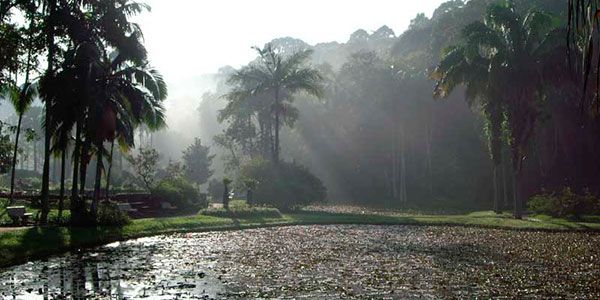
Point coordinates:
pixel 198 36
pixel 188 38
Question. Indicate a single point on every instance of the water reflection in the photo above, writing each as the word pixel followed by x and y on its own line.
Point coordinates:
pixel 155 268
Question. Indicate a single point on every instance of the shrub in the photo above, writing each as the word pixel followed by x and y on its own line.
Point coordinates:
pixel 180 193
pixel 564 203
pixel 111 215
pixel 63 220
pixel 29 183
pixel 240 209
pixel 286 186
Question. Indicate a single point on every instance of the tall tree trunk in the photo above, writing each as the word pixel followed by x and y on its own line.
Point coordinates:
pixel 395 167
pixel 35 156
pixel 98 181
pixel 20 112
pixel 495 178
pixel 77 205
pixel 61 198
pixel 14 160
pixel 50 72
pixel 108 173
pixel 428 152
pixel 277 112
pixel 403 192
pixel 85 160
pixel 504 185
pixel 518 213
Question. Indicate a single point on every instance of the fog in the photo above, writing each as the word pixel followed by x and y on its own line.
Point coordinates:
pixel 189 41
pixel 377 135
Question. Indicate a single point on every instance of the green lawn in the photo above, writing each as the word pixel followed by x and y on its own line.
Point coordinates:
pixel 20 245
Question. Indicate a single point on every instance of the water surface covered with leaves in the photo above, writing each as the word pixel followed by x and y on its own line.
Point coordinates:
pixel 334 262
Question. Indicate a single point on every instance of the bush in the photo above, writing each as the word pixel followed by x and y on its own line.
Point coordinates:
pixel 239 209
pixel 28 184
pixel 181 194
pixel 286 186
pixel 64 220
pixel 111 215
pixel 564 204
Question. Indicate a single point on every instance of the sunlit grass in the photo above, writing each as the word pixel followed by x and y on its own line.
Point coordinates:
pixel 20 245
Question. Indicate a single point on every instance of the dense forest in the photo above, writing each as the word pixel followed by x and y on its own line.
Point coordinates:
pixel 380 136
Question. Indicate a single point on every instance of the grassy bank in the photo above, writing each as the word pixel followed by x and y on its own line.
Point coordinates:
pixel 21 245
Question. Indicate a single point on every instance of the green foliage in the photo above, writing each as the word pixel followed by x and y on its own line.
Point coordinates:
pixel 5 150
pixel 11 38
pixel 565 203
pixel 63 220
pixel 29 183
pixel 174 169
pixel 144 165
pixel 197 161
pixel 240 209
pixel 111 215
pixel 264 90
pixel 286 186
pixel 180 193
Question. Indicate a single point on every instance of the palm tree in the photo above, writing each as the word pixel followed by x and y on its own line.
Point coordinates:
pixel 461 66
pixel 277 78
pixel 21 100
pixel 51 20
pixel 582 39
pixel 133 96
pixel 520 58
pixel 101 96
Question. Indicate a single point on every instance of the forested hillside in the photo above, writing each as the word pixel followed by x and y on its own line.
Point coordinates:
pixel 379 137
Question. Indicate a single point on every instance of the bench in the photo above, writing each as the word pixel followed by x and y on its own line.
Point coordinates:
pixel 126 207
pixel 167 205
pixel 19 213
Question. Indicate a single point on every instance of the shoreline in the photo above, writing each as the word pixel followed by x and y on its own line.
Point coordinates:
pixel 22 245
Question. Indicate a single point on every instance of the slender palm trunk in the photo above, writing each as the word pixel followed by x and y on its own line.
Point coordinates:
pixel 277 112
pixel 21 111
pixel 496 200
pixel 518 207
pixel 76 206
pixel 276 144
pixel 35 156
pixel 403 192
pixel 50 71
pixel 61 198
pixel 98 182
pixel 504 187
pixel 428 149
pixel 14 160
pixel 85 160
pixel 110 163
pixel 395 166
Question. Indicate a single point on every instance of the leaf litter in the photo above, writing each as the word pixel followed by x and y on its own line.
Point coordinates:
pixel 317 262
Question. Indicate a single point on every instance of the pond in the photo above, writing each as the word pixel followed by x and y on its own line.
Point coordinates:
pixel 317 262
